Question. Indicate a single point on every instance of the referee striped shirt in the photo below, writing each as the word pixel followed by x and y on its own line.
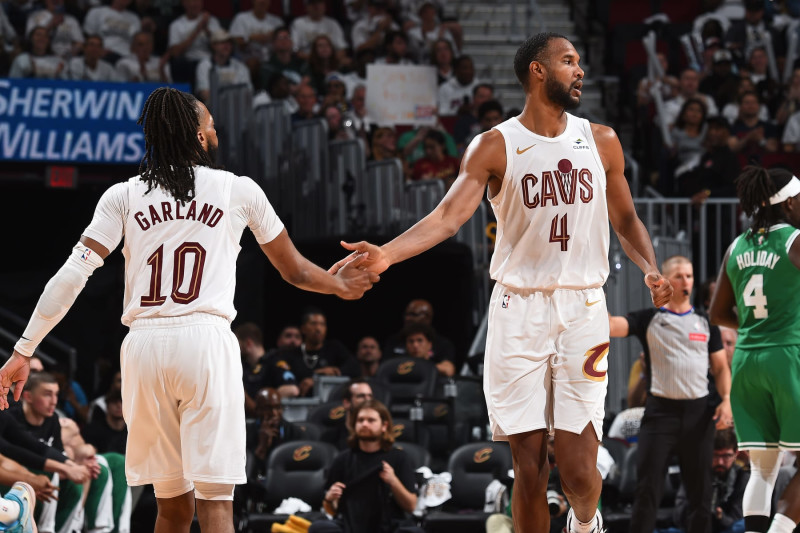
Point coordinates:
pixel 676 348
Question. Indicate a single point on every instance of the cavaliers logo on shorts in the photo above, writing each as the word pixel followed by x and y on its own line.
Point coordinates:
pixel 482 455
pixel 302 453
pixel 594 357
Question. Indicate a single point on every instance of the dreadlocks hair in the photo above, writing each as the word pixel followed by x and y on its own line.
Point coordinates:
pixel 533 49
pixel 170 119
pixel 754 187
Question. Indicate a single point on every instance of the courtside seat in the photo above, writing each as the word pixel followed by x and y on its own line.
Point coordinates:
pixel 406 378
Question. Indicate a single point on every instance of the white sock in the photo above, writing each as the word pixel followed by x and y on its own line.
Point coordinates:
pixel 782 524
pixel 9 511
pixel 587 527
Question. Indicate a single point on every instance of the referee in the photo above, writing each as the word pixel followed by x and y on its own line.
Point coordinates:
pixel 679 345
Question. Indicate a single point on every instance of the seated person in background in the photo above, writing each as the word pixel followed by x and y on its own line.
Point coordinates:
pixel 410 143
pixel 230 71
pixel 289 337
pixel 306 103
pixel 423 36
pixel 98 406
pixel 467 123
pixel 141 65
pixel 395 48
pixel 38 60
pixel 253 31
pixel 107 432
pixel 490 114
pixel 729 482
pixel 189 40
pixel 115 24
pixel 457 91
pixel 368 353
pixel 283 59
pixel 751 135
pixel 419 343
pixel 272 428
pixel 418 311
pixel 717 169
pixel 688 137
pixel 436 164
pixel 318 354
pixel 384 145
pixel 65 30
pixel 72 401
pixel 90 66
pixel 357 392
pixel 371 485
pixel 314 23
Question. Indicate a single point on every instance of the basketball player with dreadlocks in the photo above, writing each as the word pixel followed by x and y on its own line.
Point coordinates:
pixel 759 275
pixel 554 180
pixel 181 219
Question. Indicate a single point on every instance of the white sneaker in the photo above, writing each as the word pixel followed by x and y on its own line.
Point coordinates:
pixel 598 527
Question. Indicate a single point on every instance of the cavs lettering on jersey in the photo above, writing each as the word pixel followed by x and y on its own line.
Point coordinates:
pixel 552 215
pixel 766 284
pixel 181 258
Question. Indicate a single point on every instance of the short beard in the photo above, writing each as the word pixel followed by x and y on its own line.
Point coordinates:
pixel 369 438
pixel 556 94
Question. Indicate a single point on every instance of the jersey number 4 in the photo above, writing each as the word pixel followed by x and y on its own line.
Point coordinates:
pixel 558 231
pixel 180 256
pixel 754 296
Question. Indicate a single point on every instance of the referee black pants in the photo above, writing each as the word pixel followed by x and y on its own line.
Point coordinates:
pixel 674 427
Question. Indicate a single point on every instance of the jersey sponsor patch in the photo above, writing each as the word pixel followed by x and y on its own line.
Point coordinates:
pixel 700 337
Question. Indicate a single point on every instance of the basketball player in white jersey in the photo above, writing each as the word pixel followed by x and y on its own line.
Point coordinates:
pixel 181 220
pixel 554 182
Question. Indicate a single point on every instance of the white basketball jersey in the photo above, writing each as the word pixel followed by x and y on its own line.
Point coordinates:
pixel 181 259
pixel 552 214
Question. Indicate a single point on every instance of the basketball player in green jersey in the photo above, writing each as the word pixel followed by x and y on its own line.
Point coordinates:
pixel 760 275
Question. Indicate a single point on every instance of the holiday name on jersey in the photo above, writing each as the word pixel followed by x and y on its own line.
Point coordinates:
pixel 555 185
pixel 751 258
pixel 163 212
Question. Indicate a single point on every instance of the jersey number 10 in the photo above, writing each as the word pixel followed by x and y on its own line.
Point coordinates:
pixel 156 262
pixel 754 296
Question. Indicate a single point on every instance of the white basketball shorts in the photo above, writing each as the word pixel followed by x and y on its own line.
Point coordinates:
pixel 183 401
pixel 546 360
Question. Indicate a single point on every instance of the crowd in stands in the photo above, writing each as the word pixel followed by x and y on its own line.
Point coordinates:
pixel 311 55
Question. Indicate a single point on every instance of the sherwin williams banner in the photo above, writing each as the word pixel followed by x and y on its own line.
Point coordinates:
pixel 72 121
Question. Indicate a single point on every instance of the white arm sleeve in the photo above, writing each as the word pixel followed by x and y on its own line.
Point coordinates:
pixel 58 296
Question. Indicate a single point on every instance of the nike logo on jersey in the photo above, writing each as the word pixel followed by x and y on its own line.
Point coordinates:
pixel 589 304
pixel 520 152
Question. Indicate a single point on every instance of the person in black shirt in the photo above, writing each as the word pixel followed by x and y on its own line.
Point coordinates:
pixel 371 486
pixel 107 432
pixel 419 339
pixel 418 312
pixel 272 428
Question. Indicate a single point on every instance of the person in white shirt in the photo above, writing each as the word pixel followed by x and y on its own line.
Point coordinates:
pixel 115 24
pixel 791 134
pixel 230 70
pixel 457 91
pixel 395 47
pixel 39 61
pixel 142 65
pixel 66 37
pixel 370 31
pixel 688 85
pixel 189 39
pixel 423 36
pixel 89 66
pixel 253 31
pixel 9 44
pixel 442 57
pixel 314 23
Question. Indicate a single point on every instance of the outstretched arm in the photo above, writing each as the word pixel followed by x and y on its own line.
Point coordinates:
pixel 626 223
pixel 484 158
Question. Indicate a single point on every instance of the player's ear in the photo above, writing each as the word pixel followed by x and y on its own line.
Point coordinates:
pixel 203 139
pixel 535 69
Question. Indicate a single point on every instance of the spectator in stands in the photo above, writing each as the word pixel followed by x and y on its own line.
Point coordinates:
pixel 791 134
pixel 72 401
pixel 383 146
pixel 757 69
pixel 272 429
pixel 322 61
pixel 419 339
pixel 335 92
pixel 423 36
pixel 669 84
pixel 721 83
pixel 369 32
pixel 141 65
pixel 318 354
pixel 189 40
pixel 279 89
pixel 418 311
pixel 626 424
pixel 358 73
pixel 36 364
pixel 66 37
pixel 355 10
pixel 717 169
pixel 790 100
pixel 89 66
pixel 729 482
pixel 751 31
pixel 362 124
pixel 490 114
pixel 337 129
pixel 9 42
pixel 729 336
pixel 97 407
pixel 306 103
pixel 436 164
pixel 731 109
pixel 368 353
pixel 116 25
pixel 371 483
pixel 412 148
pixel 751 136
pixel 457 92
pixel 466 125
pixel 154 21
pixel 443 58
pixel 259 370
pixel 680 348
pixel 410 11
pixel 253 31
pixel 283 59
pixel 108 432
pixel 688 85
pixel 688 138
pixel 228 69
pixel 307 28
pixel 395 50
pixel 357 392
pixel 38 60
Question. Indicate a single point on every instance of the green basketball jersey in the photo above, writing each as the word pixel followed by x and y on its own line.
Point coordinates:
pixel 767 287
